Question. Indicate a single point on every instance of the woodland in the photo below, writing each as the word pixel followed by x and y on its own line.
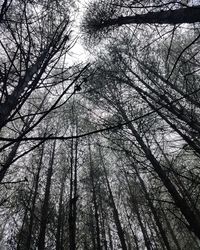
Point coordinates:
pixel 100 152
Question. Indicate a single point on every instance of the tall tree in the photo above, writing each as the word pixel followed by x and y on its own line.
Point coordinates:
pixel 45 205
pixel 104 16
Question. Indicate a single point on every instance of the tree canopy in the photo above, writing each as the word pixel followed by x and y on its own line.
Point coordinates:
pixel 103 152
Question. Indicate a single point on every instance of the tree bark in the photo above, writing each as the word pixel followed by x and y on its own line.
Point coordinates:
pixel 170 230
pixel 28 243
pixel 135 208
pixel 45 206
pixel 153 209
pixel 60 214
pixel 94 197
pixel 73 196
pixel 178 16
pixel 120 231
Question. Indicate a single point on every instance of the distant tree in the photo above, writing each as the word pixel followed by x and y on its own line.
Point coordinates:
pixel 45 205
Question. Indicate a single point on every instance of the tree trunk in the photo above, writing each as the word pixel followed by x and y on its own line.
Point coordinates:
pixel 45 206
pixel 170 230
pixel 60 214
pixel 22 236
pixel 110 238
pixel 120 231
pixel 28 243
pixel 135 209
pixel 102 223
pixel 153 209
pixel 73 196
pixel 156 218
pixel 134 235
pixel 96 213
pixel 178 16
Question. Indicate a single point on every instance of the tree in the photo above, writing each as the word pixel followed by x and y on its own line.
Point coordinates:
pixel 106 155
pixel 115 99
pixel 102 16
pixel 45 206
pixel 35 39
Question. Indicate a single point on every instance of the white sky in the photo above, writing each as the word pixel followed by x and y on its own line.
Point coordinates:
pixel 78 53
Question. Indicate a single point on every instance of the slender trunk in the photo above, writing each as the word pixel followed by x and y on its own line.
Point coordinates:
pixel 96 213
pixel 151 229
pixel 45 206
pixel 92 230
pixel 33 203
pixel 110 238
pixel 102 222
pixel 159 240
pixel 104 234
pixel 70 219
pixel 75 189
pixel 21 233
pixel 22 236
pixel 153 210
pixel 73 196
pixel 135 209
pixel 120 231
pixel 60 214
pixel 134 235
pixel 170 230
pixel 62 232
pixel 142 226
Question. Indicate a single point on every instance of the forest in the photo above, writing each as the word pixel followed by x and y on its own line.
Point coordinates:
pixel 99 146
